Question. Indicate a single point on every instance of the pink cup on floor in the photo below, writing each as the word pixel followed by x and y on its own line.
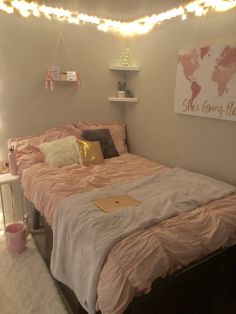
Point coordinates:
pixel 16 237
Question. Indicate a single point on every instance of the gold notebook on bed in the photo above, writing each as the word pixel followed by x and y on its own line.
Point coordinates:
pixel 113 203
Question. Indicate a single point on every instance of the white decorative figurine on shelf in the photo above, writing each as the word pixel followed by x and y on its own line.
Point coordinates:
pixel 126 58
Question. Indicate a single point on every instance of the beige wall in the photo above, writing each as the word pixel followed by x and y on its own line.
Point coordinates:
pixel 154 131
pixel 27 47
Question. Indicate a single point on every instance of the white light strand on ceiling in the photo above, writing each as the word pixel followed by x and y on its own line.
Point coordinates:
pixel 136 27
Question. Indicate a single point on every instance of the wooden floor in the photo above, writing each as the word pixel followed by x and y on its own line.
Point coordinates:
pixel 224 298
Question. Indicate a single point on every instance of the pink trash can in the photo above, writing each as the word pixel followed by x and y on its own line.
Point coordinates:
pixel 16 237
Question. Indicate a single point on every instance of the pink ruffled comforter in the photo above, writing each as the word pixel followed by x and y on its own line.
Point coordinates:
pixel 136 261
pixel 46 186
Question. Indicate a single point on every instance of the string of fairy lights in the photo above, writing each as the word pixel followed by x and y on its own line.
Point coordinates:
pixel 136 27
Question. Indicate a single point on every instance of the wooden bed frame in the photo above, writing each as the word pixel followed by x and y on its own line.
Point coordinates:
pixel 191 290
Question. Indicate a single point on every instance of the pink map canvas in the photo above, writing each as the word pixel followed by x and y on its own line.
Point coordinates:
pixel 206 82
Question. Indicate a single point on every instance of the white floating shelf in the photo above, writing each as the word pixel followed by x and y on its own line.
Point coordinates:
pixel 123 99
pixel 124 68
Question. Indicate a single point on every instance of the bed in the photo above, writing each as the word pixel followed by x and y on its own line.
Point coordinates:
pixel 149 261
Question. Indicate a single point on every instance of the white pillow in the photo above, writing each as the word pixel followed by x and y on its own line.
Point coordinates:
pixel 60 152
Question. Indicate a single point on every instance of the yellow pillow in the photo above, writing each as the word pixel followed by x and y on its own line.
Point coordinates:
pixel 90 152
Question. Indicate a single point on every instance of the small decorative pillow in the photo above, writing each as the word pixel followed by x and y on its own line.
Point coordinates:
pixel 90 153
pixel 105 139
pixel 62 152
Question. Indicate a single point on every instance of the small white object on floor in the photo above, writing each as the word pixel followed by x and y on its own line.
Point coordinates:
pixel 26 286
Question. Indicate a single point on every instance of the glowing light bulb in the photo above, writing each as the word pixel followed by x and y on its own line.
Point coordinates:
pixel 103 27
pixel 199 11
pixel 6 8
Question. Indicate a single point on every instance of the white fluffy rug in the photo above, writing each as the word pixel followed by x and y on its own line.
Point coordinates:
pixel 26 286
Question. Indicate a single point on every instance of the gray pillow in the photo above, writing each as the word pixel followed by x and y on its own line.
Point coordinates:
pixel 104 137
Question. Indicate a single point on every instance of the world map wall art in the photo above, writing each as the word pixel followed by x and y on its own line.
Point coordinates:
pixel 206 82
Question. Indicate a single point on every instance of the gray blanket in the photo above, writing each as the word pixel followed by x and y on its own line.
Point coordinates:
pixel 83 234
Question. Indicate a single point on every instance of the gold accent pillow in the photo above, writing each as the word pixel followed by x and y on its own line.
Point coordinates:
pixel 90 152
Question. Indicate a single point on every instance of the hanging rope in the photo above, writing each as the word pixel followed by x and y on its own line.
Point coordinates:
pixel 54 74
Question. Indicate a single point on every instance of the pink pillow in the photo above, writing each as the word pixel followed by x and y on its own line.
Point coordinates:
pixel 27 147
pixel 60 132
pixel 27 151
pixel 116 128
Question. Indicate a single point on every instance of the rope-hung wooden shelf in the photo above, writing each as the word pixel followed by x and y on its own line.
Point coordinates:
pixel 55 74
